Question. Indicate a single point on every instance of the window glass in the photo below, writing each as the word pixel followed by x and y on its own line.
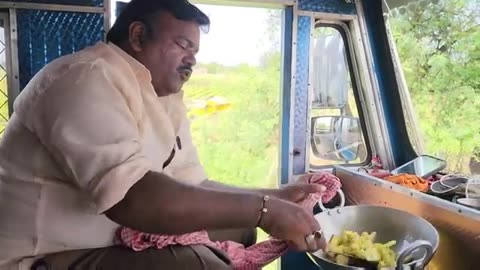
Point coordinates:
pixel 233 98
pixel 438 45
pixel 336 132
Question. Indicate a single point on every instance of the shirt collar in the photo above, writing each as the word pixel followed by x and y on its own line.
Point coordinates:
pixel 138 68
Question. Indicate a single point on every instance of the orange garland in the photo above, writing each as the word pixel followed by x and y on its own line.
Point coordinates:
pixel 410 181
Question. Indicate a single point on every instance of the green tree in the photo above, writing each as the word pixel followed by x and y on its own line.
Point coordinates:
pixel 439 46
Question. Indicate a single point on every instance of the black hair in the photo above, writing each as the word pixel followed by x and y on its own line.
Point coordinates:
pixel 145 10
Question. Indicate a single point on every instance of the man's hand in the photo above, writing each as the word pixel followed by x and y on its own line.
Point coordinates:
pixel 293 192
pixel 291 223
pixel 298 191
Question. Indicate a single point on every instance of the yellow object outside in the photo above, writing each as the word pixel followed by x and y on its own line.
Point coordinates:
pixel 209 107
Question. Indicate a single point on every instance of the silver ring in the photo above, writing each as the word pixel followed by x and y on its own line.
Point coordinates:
pixel 318 234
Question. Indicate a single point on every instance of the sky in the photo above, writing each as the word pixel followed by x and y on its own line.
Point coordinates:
pixel 237 35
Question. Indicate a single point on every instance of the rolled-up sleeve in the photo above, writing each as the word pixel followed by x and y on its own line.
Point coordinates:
pixel 85 120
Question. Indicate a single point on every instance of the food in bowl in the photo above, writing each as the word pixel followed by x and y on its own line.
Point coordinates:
pixel 353 249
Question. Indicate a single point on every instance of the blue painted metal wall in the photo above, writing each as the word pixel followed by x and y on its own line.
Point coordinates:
pixel 301 93
pixel 287 27
pixel 327 6
pixel 297 260
pixel 302 71
pixel 46 35
pixel 389 90
pixel 92 3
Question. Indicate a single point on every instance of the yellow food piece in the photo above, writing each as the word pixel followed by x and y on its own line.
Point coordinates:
pixel 362 246
pixel 340 259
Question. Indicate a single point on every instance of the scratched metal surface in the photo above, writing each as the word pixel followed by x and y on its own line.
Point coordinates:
pixel 458 226
pixel 301 94
pixel 328 6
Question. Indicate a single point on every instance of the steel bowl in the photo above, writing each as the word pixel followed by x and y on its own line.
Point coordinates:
pixel 417 239
pixel 470 202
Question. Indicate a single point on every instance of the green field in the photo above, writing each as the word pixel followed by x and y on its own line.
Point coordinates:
pixel 239 146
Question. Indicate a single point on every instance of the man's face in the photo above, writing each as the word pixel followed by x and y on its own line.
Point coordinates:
pixel 169 53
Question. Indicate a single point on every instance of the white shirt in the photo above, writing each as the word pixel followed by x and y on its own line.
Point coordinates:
pixel 85 129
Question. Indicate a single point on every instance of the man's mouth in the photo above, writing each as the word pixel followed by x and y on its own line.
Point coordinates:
pixel 185 74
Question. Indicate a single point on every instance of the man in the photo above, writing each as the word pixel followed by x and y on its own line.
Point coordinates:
pixel 100 139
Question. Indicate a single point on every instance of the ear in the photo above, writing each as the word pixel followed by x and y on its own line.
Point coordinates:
pixel 136 36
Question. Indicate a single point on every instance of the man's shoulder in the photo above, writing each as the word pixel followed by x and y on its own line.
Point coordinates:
pixel 96 56
pixel 95 65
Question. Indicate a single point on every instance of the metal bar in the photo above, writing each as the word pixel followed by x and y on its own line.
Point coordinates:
pixel 370 110
pixel 356 72
pixel 248 3
pixel 12 59
pixel 286 51
pixel 107 18
pixel 384 148
pixel 51 7
pixel 328 16
pixel 405 94
pixel 310 95
pixel 8 63
pixel 293 92
pixel 301 95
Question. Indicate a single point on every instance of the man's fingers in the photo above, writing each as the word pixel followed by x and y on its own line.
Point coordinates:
pixel 305 179
pixel 313 188
pixel 322 243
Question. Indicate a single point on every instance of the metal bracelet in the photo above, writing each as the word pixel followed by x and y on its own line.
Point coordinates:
pixel 263 210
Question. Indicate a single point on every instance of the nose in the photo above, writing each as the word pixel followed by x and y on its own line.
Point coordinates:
pixel 190 59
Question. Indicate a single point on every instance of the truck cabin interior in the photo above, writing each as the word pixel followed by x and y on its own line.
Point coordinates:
pixel 343 98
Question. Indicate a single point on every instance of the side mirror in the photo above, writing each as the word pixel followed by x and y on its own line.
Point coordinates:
pixel 337 138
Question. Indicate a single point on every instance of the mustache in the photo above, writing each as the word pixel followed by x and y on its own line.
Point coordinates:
pixel 185 68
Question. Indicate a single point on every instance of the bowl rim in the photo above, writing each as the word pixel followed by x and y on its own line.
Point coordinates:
pixel 338 211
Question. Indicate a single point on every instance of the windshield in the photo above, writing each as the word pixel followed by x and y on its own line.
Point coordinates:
pixel 438 47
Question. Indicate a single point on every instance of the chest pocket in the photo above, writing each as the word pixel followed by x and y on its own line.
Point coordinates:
pixel 176 147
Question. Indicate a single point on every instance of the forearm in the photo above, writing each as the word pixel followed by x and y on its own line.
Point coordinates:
pixel 159 204
pixel 223 187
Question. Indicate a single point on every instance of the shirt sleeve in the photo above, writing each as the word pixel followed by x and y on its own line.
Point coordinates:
pixel 86 123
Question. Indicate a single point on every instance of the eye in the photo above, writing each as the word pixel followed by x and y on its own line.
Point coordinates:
pixel 183 44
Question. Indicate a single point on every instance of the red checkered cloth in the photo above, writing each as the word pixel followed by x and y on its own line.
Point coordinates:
pixel 251 258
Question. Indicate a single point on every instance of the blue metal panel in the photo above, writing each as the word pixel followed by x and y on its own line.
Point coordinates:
pixel 327 6
pixel 388 87
pixel 46 35
pixel 301 94
pixel 297 260
pixel 286 93
pixel 93 3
